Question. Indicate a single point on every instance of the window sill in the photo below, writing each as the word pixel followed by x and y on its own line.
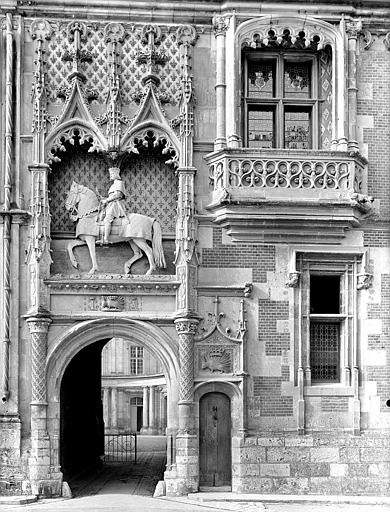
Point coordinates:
pixel 328 390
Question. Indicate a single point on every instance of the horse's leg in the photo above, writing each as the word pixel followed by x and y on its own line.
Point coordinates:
pixel 71 245
pixel 92 252
pixel 143 245
pixel 137 256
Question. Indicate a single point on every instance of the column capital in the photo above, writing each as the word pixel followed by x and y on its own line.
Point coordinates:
pixel 38 324
pixel 186 325
pixel 220 25
pixel 353 28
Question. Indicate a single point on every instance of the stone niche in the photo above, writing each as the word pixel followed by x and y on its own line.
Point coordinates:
pixel 151 189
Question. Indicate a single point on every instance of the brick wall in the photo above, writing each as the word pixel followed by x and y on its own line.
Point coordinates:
pixel 373 67
pixel 261 258
pixel 269 312
pixel 268 395
pixel 381 374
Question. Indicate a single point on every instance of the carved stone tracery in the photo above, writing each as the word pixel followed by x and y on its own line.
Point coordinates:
pixel 217 350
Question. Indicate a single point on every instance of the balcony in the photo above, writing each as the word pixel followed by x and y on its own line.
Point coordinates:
pixel 294 196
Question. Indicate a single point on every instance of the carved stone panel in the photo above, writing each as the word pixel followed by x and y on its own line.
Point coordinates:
pixel 216 355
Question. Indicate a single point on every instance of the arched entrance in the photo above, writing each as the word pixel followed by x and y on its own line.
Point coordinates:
pixel 215 440
pixel 74 382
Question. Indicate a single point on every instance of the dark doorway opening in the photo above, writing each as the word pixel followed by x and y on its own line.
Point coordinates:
pixel 81 426
pixel 215 440
pixel 139 417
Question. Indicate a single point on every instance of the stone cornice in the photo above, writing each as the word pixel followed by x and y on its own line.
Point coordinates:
pixel 139 285
pixel 200 12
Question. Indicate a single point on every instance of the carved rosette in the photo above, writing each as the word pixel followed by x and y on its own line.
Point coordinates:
pixel 186 329
pixel 38 329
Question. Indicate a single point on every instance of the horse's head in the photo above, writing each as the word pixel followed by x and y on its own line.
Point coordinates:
pixel 73 196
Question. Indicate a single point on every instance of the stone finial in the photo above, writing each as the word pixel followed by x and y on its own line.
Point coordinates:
pixel 41 30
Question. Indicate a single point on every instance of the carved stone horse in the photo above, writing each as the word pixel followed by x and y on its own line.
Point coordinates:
pixel 135 228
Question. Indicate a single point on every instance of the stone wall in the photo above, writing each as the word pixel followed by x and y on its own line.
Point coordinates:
pixel 320 463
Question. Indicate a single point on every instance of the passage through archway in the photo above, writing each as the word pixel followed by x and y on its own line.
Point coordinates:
pixel 78 379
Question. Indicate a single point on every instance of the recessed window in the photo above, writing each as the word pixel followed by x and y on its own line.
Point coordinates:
pixel 325 328
pixel 281 100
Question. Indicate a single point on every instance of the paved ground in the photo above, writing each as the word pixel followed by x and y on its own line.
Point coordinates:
pixel 129 488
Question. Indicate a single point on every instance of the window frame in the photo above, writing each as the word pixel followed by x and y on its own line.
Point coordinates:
pixel 137 359
pixel 279 101
pixel 347 266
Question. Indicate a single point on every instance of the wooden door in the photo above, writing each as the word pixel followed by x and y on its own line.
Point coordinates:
pixel 215 440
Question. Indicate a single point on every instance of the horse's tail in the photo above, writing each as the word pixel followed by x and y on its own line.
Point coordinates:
pixel 157 247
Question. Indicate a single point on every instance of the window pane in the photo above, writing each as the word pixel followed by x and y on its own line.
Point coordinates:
pixel 297 79
pixel 260 129
pixel 324 351
pixel 296 130
pixel 324 294
pixel 260 79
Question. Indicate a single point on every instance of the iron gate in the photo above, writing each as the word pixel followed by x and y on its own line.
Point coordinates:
pixel 120 447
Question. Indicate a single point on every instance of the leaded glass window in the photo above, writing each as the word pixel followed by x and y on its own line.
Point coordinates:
pixel 281 100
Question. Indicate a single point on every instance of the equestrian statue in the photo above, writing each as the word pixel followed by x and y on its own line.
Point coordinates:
pixel 106 221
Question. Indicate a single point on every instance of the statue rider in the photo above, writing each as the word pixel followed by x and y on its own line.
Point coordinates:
pixel 114 204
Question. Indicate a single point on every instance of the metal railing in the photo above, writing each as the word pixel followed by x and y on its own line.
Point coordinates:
pixel 120 447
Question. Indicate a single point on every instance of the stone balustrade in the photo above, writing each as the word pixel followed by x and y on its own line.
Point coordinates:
pixel 284 169
pixel 274 192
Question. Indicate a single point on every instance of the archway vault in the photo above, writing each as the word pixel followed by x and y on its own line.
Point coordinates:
pixel 79 336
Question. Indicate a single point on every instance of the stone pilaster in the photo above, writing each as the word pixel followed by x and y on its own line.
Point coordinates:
pixel 221 25
pixel 145 410
pixel 353 28
pixel 45 480
pixel 187 463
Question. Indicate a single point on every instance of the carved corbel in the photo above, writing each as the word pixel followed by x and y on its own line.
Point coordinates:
pixel 365 277
pixel 293 279
pixel 363 202
pixel 386 41
pixel 364 281
pixel 367 38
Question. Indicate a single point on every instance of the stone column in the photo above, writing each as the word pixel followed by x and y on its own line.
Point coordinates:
pixel 221 24
pixel 353 28
pixel 114 408
pixel 145 411
pixel 41 474
pixel 186 440
pixel 152 410
pixel 162 417
pixel 106 409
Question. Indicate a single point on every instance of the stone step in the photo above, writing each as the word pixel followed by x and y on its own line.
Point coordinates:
pixel 17 500
pixel 217 495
